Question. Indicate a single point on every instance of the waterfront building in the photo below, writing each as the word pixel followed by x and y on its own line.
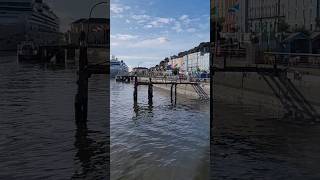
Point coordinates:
pixel 191 61
pixel 229 24
pixel 224 11
pixel 98 31
pixel 267 17
pixel 177 62
pixel 196 62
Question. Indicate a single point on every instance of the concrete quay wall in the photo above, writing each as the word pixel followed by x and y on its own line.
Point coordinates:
pixel 252 89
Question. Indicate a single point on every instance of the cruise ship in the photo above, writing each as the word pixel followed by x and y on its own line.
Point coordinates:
pixel 27 20
pixel 117 67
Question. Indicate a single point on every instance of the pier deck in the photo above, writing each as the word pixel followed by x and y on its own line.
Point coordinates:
pixel 151 82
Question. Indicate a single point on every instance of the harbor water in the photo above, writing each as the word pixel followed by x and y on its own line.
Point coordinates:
pixel 158 141
pixel 248 144
pixel 39 136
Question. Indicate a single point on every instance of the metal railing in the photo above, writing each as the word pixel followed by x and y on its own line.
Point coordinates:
pixel 292 59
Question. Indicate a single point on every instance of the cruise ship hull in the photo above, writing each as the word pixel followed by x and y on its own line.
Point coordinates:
pixel 115 72
pixel 27 20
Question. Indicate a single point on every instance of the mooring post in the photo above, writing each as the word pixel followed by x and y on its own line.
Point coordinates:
pixel 81 103
pixel 150 91
pixel 171 93
pixel 175 93
pixel 135 91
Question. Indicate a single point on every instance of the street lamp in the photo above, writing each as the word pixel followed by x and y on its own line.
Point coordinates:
pixel 92 8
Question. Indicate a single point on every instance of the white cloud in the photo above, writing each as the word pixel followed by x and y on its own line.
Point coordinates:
pixel 191 30
pixel 148 26
pixel 185 19
pixel 118 8
pixel 140 17
pixel 177 27
pixel 151 42
pixel 160 22
pixel 123 37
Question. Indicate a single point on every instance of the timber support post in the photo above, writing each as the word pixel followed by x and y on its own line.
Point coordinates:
pixel 175 93
pixel 171 93
pixel 81 102
pixel 150 91
pixel 135 92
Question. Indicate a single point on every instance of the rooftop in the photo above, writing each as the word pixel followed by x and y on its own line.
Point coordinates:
pixel 92 20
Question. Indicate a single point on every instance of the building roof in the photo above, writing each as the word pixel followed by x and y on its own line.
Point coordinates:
pixel 92 20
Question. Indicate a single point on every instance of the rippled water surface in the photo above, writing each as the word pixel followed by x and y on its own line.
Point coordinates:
pixel 38 135
pixel 249 145
pixel 158 142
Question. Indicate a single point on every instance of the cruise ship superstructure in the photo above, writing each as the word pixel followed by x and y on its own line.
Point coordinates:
pixel 117 67
pixel 27 20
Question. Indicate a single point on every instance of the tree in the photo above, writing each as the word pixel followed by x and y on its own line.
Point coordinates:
pixel 175 71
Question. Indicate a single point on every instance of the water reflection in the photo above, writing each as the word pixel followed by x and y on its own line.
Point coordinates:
pixel 91 154
pixel 141 111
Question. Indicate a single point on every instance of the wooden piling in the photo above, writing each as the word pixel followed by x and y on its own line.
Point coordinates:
pixel 150 91
pixel 81 105
pixel 175 94
pixel 171 93
pixel 135 92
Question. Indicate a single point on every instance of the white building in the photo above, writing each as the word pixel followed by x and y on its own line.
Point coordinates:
pixel 197 61
pixel 264 15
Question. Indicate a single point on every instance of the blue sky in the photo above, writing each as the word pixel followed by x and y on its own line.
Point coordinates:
pixel 143 32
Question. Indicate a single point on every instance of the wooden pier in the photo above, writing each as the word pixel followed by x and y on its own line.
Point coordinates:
pixel 125 78
pixel 150 84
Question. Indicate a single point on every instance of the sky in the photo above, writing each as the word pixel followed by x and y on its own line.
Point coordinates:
pixel 144 32
pixel 69 11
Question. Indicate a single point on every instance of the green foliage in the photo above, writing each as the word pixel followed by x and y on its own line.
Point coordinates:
pixel 175 71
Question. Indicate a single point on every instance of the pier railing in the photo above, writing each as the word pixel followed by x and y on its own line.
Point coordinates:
pixel 292 59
